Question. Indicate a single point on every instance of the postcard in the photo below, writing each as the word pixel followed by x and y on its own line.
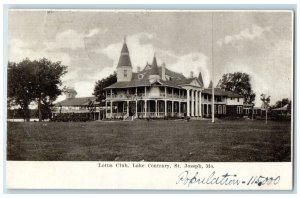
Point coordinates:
pixel 150 99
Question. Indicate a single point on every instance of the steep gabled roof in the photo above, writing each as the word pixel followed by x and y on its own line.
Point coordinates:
pixel 154 67
pixel 172 74
pixel 233 95
pixel 221 92
pixel 83 101
pixel 284 108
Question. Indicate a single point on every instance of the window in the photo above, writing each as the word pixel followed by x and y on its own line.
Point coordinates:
pixel 254 111
pixel 220 109
pixel 224 109
pixel 231 98
pixel 239 110
pixel 125 73
pixel 247 111
pixel 238 99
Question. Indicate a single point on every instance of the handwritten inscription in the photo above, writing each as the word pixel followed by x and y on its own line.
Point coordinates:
pixel 188 179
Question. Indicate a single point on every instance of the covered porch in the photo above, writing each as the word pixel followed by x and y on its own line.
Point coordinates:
pixel 156 108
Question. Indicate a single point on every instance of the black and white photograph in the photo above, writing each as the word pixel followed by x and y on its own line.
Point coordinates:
pixel 154 89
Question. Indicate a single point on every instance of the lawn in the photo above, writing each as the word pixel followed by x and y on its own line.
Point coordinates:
pixel 156 140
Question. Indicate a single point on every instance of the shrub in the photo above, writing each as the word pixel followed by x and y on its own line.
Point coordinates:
pixel 71 117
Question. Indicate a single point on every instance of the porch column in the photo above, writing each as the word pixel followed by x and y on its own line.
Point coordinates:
pixel 99 116
pixel 207 113
pixel 200 103
pixel 187 102
pixel 165 92
pixel 156 108
pixel 106 108
pixel 111 104
pixel 165 107
pixel 197 103
pixel 172 108
pixel 179 108
pixel 193 103
pixel 127 108
pixel 145 91
pixel 136 105
pixel 110 93
pixel 145 108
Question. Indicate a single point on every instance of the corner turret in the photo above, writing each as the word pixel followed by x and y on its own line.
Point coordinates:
pixel 124 68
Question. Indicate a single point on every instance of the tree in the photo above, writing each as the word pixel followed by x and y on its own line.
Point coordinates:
pixel 101 84
pixel 35 81
pixel 266 101
pixel 20 86
pixel 238 83
pixel 47 81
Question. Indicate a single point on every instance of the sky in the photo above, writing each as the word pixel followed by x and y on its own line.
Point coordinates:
pixel 89 43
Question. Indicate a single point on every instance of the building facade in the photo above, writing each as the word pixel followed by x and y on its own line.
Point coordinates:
pixel 153 92
pixel 78 105
pixel 158 92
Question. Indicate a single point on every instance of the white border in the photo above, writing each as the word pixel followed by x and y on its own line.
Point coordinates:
pixel 229 194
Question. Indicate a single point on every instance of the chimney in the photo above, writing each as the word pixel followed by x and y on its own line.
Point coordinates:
pixel 192 74
pixel 138 69
pixel 163 71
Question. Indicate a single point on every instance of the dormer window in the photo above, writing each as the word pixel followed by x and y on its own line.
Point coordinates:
pixel 147 67
pixel 140 76
pixel 125 73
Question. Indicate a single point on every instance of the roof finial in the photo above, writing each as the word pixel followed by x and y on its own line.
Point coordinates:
pixel 125 39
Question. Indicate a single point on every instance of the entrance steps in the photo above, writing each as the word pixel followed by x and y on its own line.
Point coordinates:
pixel 200 118
pixel 129 118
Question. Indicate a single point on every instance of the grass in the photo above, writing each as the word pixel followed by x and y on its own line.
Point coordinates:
pixel 157 140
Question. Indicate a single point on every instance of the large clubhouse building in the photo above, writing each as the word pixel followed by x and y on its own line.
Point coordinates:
pixel 156 92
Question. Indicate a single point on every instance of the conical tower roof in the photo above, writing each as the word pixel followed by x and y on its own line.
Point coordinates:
pixel 124 59
pixel 200 78
pixel 154 68
pixel 210 84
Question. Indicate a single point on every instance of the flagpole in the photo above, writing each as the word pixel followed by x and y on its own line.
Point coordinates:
pixel 212 70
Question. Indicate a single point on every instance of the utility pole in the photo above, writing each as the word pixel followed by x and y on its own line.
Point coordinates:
pixel 266 100
pixel 212 70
